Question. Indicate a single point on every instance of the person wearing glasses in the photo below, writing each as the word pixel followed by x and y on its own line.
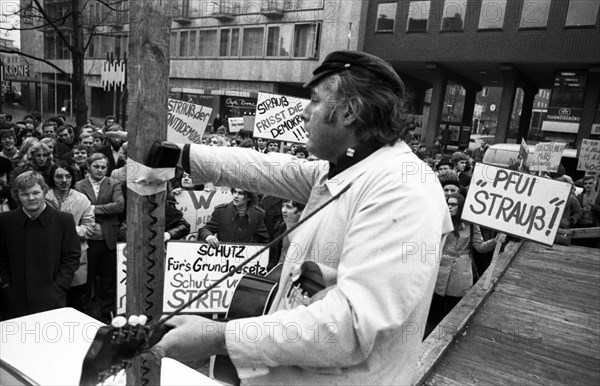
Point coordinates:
pixel 457 272
pixel 106 197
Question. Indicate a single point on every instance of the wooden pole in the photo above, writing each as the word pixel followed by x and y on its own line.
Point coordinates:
pixel 492 267
pixel 148 77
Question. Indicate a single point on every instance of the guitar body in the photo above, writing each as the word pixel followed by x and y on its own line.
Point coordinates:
pixel 252 297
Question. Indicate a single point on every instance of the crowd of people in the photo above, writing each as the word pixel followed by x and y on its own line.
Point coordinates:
pixel 64 192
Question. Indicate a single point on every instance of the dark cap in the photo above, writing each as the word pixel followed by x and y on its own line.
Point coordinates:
pixel 340 61
pixel 444 161
pixel 459 156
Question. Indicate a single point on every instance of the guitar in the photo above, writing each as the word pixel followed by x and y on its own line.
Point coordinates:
pixel 114 348
pixel 253 297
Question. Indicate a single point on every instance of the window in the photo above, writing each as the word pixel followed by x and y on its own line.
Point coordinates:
pixel 386 17
pixel 229 42
pixel 492 14
pixel 278 40
pixel 484 92
pixel 173 45
pixel 183 44
pixel 252 41
pixel 306 40
pixel 454 15
pixel 208 43
pixel 418 14
pixel 193 44
pixel 535 13
pixel 582 12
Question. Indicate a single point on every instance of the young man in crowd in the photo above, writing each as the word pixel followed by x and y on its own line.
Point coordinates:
pixel 39 251
pixel 378 238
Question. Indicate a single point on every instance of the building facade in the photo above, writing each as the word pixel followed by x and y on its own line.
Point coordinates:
pixel 527 44
pixel 222 52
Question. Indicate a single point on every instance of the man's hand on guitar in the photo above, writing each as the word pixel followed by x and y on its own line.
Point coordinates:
pixel 192 340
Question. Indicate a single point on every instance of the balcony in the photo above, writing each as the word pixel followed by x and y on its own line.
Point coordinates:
pixel 224 12
pixel 180 12
pixel 273 9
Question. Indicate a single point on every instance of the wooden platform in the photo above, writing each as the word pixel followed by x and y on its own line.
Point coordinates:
pixel 540 325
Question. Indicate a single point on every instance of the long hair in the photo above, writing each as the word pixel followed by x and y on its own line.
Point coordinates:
pixel 379 110
pixel 456 219
pixel 67 167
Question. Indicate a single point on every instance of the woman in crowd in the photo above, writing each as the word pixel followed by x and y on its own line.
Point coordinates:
pixel 457 272
pixel 62 196
pixel 291 212
pixel 39 159
pixel 240 221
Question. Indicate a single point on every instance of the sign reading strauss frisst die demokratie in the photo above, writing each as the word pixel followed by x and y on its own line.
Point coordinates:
pixel 516 203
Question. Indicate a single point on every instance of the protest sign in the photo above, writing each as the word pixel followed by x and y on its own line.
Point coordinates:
pixel 191 267
pixel 516 203
pixel 589 156
pixel 546 157
pixel 236 124
pixel 523 152
pixel 278 117
pixel 121 277
pixel 198 205
pixel 186 122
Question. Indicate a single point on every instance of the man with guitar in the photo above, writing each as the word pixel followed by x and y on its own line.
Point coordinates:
pixel 377 243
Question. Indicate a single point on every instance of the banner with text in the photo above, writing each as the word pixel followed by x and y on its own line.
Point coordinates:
pixel 278 117
pixel 193 266
pixel 236 124
pixel 121 277
pixel 186 122
pixel 589 156
pixel 516 203
pixel 198 205
pixel 546 157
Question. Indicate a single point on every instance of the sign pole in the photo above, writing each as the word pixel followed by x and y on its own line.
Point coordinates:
pixel 492 267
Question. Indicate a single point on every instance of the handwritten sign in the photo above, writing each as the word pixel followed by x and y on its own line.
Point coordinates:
pixel 236 124
pixel 186 122
pixel 546 157
pixel 198 205
pixel 278 117
pixel 193 266
pixel 589 156
pixel 516 203
pixel 121 277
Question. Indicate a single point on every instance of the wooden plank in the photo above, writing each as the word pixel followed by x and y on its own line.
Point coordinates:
pixel 442 380
pixel 574 304
pixel 528 274
pixel 439 341
pixel 585 233
pixel 498 323
pixel 514 360
pixel 470 369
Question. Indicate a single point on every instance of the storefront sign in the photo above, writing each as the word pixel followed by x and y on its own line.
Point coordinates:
pixel 15 71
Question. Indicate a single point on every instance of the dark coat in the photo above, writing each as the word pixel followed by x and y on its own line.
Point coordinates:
pixel 107 206
pixel 112 165
pixel 37 259
pixel 230 227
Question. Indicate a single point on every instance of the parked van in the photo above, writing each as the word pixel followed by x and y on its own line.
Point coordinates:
pixel 507 155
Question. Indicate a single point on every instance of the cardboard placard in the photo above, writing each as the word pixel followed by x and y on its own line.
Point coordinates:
pixel 236 124
pixel 192 266
pixel 121 277
pixel 589 156
pixel 186 122
pixel 197 206
pixel 278 117
pixel 546 157
pixel 520 204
